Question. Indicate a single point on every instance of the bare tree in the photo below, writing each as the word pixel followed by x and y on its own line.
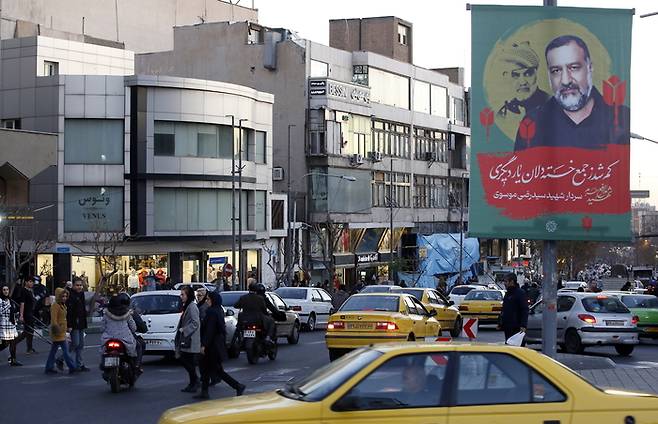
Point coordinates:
pixel 274 263
pixel 328 234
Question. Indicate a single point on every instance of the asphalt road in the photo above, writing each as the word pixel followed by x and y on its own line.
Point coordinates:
pixel 30 396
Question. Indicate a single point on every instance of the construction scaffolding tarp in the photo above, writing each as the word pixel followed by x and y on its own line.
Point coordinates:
pixel 439 257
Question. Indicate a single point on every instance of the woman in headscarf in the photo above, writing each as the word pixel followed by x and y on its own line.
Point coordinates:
pixel 58 329
pixel 213 347
pixel 8 331
pixel 118 323
pixel 188 341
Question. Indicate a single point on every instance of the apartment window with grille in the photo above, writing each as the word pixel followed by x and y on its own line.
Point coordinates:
pixel 391 139
pixel 381 189
pixel 402 34
pixel 428 141
pixel 50 68
pixel 430 192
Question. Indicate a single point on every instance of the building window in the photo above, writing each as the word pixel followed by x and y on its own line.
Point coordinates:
pixel 430 192
pixel 421 97
pixel 93 209
pixel 360 75
pixel 439 100
pixel 431 145
pixel 93 141
pixel 196 209
pixel 277 214
pixel 11 124
pixel 260 147
pixel 319 69
pixel 381 189
pixel 391 139
pixel 317 143
pixel 260 215
pixel 388 88
pixel 254 36
pixel 50 68
pixel 356 132
pixel 458 114
pixel 403 32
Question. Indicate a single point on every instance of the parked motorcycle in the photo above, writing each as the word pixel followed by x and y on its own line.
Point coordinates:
pixel 253 342
pixel 118 368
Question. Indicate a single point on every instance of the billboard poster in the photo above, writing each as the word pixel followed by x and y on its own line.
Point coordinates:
pixel 550 123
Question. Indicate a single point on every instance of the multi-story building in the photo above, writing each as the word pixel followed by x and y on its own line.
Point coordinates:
pixel 371 149
pixel 147 158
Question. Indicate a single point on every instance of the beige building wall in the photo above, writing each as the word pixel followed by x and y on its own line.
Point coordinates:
pixel 143 25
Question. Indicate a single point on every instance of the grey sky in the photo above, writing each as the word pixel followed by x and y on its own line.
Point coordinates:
pixel 442 39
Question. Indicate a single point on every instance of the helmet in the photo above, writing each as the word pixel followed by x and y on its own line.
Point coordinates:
pixel 253 286
pixel 260 288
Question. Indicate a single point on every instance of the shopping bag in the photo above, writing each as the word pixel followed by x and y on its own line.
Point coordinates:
pixel 516 340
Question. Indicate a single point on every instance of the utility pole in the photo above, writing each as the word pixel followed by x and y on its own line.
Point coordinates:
pixel 549 284
pixel 289 210
pixel 243 265
pixel 461 228
pixel 390 211
pixel 233 287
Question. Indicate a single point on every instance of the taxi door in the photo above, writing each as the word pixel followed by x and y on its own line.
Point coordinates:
pixel 498 388
pixel 445 315
pixel 418 321
pixel 432 324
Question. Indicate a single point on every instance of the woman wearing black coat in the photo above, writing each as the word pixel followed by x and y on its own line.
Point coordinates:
pixel 213 347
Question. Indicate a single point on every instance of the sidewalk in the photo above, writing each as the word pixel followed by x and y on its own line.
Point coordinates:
pixel 639 379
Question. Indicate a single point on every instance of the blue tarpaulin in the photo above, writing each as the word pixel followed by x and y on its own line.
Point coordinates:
pixel 442 259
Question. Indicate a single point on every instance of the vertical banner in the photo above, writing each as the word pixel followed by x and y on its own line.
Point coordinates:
pixel 551 123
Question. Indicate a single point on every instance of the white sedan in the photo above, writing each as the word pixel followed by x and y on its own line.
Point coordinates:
pixel 458 293
pixel 161 311
pixel 313 305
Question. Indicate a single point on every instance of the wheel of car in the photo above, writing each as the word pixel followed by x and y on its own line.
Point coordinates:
pixel 572 343
pixel 624 350
pixel 293 338
pixel 310 324
pixel 334 354
pixel 457 329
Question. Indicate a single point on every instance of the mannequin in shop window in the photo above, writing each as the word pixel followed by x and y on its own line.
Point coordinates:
pixel 150 281
pixel 160 278
pixel 133 281
pixel 85 280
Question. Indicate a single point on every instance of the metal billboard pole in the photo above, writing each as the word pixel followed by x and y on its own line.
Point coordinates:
pixel 549 284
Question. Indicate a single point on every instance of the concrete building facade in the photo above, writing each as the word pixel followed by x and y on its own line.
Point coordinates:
pixel 359 137
pixel 146 157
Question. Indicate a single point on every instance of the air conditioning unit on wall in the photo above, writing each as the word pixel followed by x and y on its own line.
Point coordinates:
pixel 376 156
pixel 356 159
pixel 277 174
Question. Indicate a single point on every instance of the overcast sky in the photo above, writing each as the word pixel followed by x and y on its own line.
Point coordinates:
pixel 442 36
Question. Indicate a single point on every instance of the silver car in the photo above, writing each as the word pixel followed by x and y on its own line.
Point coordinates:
pixel 588 319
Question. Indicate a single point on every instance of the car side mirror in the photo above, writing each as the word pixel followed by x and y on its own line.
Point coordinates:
pixel 451 302
pixel 230 312
pixel 433 313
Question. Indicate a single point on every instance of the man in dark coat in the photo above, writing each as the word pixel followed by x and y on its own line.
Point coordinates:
pixel 213 347
pixel 24 297
pixel 514 318
pixel 76 311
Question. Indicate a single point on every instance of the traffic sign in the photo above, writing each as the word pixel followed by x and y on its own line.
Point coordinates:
pixel 470 328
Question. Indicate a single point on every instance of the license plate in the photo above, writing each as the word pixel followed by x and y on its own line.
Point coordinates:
pixel 615 323
pixel 249 334
pixel 359 326
pixel 153 342
pixel 111 361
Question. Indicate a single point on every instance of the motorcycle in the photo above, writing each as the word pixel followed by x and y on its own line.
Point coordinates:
pixel 118 368
pixel 252 341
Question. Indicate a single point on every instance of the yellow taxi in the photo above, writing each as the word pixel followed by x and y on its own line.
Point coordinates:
pixel 485 305
pixel 442 383
pixel 446 313
pixel 378 318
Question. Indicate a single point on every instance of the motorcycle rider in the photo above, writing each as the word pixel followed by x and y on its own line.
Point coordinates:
pixel 118 324
pixel 254 308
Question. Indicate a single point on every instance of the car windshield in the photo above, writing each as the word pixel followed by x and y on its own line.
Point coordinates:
pixel 229 298
pixel 640 301
pixel 157 304
pixel 484 295
pixel 461 291
pixel 604 305
pixel 376 289
pixel 371 303
pixel 291 293
pixel 417 293
pixel 325 380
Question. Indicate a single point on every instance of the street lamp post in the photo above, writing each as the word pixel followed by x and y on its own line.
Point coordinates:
pixel 232 200
pixel 243 266
pixel 461 226
pixel 289 212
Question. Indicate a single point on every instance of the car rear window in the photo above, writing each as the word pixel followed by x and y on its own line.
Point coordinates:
pixel 418 294
pixel 371 303
pixel 376 289
pixel 640 301
pixel 158 304
pixel 230 298
pixel 460 291
pixel 484 295
pixel 604 305
pixel 291 293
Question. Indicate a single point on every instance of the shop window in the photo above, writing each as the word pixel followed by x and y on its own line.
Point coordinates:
pixel 93 141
